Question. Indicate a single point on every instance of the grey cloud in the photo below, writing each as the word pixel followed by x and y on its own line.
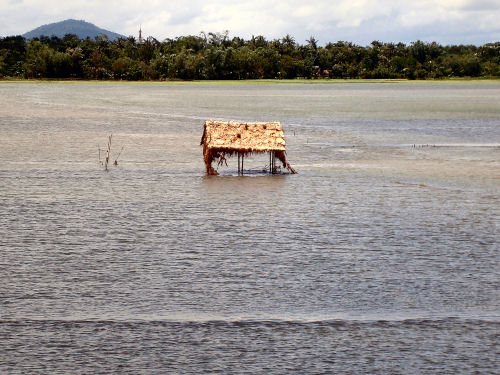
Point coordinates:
pixel 481 5
pixel 388 29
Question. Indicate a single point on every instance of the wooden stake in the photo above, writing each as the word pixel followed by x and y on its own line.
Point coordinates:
pixel 108 151
pixel 116 160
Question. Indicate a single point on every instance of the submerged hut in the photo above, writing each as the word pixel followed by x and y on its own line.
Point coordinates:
pixel 221 139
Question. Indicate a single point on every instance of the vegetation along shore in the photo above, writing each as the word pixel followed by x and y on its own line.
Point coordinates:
pixel 215 56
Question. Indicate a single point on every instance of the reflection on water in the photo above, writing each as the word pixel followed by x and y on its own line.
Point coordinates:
pixel 386 238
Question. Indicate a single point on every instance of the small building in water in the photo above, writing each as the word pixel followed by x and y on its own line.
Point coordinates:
pixel 222 139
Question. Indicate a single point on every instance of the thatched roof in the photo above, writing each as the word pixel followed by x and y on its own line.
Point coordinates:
pixel 244 137
pixel 222 138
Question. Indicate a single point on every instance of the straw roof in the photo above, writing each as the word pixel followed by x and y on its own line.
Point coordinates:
pixel 222 138
pixel 245 137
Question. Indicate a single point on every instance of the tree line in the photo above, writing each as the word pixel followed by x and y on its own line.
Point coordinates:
pixel 216 56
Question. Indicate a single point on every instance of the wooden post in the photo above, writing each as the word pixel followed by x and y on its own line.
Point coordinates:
pixel 108 151
pixel 273 162
pixel 242 158
pixel 238 163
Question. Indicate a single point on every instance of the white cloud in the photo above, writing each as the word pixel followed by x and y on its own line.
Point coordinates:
pixel 359 21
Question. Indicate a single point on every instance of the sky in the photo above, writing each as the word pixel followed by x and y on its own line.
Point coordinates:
pixel 357 21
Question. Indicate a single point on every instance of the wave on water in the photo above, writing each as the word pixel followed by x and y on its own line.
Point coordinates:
pixel 457 145
pixel 249 320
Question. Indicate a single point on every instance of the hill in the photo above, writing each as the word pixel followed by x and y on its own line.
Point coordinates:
pixel 80 28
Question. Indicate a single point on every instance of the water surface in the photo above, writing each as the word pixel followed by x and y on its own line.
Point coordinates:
pixel 380 256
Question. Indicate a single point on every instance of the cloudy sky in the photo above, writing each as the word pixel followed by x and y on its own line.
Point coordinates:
pixel 358 21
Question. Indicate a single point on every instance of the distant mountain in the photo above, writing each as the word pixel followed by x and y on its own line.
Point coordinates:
pixel 80 28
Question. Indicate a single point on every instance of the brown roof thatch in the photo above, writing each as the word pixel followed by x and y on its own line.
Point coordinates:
pixel 227 138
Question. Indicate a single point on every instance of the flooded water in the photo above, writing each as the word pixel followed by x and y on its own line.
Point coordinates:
pixel 381 256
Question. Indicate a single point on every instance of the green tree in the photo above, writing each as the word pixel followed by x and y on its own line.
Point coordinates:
pixel 216 56
pixel 12 55
pixel 37 59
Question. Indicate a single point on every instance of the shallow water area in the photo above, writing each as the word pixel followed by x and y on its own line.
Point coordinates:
pixel 380 256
